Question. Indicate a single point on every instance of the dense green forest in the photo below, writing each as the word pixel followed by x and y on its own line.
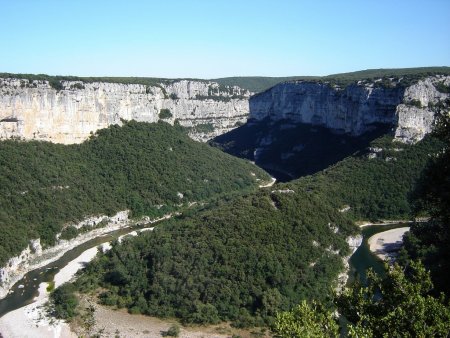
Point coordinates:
pixel 430 242
pixel 244 258
pixel 147 168
pixel 409 301
pixel 374 188
pixel 241 259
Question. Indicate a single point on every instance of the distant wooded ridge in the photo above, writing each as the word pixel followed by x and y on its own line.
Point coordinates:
pixel 253 83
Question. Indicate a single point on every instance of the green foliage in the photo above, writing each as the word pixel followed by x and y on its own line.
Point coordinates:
pixel 306 320
pixel 377 188
pixel 55 84
pixel 240 259
pixel 398 305
pixel 258 84
pixel 173 331
pixel 374 188
pixel 78 86
pixel 245 258
pixel 441 87
pixel 138 166
pixel 204 128
pixel 63 302
pixel 165 114
pixel 415 103
pixel 430 242
pixel 69 233
pixel 173 96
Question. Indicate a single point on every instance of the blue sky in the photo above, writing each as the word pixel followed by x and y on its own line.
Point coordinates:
pixel 208 39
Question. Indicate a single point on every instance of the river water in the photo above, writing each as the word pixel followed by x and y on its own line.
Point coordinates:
pixel 363 258
pixel 26 289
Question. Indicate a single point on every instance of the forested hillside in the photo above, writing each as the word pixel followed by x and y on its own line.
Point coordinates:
pixel 373 185
pixel 239 260
pixel 371 173
pixel 431 242
pixel 147 168
pixel 244 258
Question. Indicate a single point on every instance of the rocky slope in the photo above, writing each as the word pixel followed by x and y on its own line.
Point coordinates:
pixel 356 108
pixel 36 110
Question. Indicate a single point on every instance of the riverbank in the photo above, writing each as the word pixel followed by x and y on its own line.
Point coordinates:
pixel 363 224
pixel 32 320
pixel 387 243
pixel 30 260
pixel 112 323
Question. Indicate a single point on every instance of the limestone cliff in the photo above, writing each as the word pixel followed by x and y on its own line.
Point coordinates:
pixel 35 110
pixel 356 108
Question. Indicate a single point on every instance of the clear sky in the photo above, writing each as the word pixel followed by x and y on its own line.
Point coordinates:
pixel 215 38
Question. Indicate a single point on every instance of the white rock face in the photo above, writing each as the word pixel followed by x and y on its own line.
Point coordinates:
pixel 356 108
pixel 34 110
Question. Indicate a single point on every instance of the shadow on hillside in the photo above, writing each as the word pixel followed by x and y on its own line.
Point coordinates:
pixel 289 150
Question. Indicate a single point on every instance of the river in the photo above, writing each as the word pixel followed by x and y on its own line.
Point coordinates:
pixel 25 290
pixel 363 258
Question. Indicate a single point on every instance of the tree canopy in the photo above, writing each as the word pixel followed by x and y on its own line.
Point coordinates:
pixel 149 169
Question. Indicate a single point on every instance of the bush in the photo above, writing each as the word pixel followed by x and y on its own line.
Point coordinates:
pixel 78 86
pixel 173 331
pixel 204 128
pixel 55 84
pixel 415 103
pixel 442 88
pixel 165 114
pixel 69 233
pixel 63 302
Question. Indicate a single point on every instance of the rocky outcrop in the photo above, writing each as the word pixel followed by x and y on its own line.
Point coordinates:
pixel 357 108
pixel 354 242
pixel 35 110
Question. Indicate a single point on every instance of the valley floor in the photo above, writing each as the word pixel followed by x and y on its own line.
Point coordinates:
pixel 110 323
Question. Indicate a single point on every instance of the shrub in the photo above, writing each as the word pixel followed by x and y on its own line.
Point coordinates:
pixel 69 233
pixel 165 114
pixel 55 84
pixel 173 331
pixel 442 88
pixel 63 302
pixel 415 103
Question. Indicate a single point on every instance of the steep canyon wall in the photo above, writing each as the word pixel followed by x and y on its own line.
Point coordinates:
pixel 357 108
